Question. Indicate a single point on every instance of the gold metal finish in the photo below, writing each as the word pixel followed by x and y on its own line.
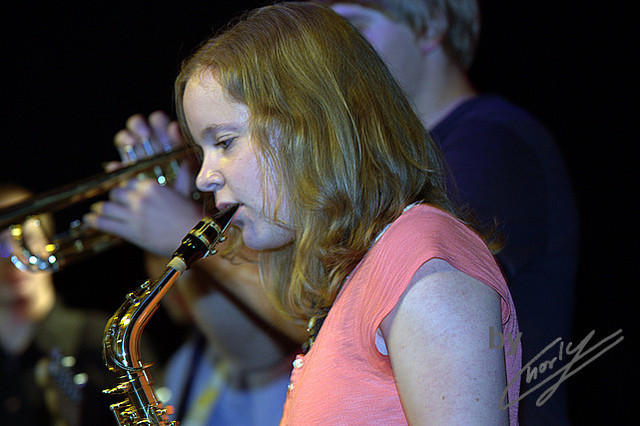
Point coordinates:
pixel 78 241
pixel 121 343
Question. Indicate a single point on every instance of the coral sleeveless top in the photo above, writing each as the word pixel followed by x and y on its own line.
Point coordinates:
pixel 344 379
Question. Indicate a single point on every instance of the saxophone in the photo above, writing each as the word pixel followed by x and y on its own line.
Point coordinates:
pixel 121 343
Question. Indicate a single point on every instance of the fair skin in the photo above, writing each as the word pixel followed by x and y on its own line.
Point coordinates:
pixel 442 319
pixel 431 80
pixel 138 209
pixel 154 205
pixel 436 337
pixel 220 128
pixel 436 85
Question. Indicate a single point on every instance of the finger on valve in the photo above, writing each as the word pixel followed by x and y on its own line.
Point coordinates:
pixel 125 143
pixel 138 137
pixel 151 134
pixel 163 131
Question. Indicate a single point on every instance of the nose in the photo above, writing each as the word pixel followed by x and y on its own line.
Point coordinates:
pixel 209 178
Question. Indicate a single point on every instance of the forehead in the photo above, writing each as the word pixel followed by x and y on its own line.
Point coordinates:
pixel 204 87
pixel 352 11
pixel 207 105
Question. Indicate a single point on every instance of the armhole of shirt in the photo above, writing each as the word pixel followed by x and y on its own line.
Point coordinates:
pixel 381 345
pixel 438 264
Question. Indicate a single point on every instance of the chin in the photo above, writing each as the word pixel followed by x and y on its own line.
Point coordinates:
pixel 265 242
pixel 258 245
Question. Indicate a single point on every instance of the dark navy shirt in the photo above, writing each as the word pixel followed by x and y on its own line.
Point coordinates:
pixel 505 165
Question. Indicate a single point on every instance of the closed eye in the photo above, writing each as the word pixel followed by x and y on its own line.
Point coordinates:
pixel 225 143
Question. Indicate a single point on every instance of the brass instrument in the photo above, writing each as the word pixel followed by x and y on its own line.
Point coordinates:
pixel 124 329
pixel 79 241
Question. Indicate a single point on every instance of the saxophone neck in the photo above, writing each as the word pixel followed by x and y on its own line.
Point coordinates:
pixel 121 343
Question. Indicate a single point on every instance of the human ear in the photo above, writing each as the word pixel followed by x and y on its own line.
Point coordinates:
pixel 432 37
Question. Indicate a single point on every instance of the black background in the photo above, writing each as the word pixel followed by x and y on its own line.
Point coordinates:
pixel 75 73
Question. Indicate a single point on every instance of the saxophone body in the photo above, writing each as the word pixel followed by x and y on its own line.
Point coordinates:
pixel 121 343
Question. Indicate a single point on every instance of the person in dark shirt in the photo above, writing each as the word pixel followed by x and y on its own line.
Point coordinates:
pixel 503 163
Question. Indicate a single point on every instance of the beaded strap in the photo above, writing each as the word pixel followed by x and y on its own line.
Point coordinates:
pixel 313 328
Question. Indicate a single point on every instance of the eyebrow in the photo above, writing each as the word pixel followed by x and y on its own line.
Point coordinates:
pixel 214 129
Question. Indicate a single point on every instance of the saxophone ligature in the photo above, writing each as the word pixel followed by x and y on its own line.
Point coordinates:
pixel 121 344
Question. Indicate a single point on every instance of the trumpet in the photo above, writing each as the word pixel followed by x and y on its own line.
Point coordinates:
pixel 78 241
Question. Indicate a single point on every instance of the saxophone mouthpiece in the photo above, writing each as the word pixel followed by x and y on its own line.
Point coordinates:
pixel 223 217
pixel 202 239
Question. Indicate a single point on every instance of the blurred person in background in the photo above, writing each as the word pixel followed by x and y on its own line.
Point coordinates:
pixel 51 363
pixel 504 164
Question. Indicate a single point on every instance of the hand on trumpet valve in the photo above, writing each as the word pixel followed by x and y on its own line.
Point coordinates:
pixel 144 138
pixel 145 211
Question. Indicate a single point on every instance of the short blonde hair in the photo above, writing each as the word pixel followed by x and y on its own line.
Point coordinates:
pixel 462 17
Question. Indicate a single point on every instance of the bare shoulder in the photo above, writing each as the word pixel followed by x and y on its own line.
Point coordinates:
pixel 439 293
pixel 437 338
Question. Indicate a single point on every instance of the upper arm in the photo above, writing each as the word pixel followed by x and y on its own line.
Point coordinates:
pixel 437 338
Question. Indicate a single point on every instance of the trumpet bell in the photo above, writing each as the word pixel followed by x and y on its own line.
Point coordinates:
pixel 29 248
pixel 78 243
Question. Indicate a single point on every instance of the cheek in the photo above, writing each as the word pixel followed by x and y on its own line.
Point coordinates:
pixel 383 37
pixel 377 40
pixel 392 42
pixel 248 175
